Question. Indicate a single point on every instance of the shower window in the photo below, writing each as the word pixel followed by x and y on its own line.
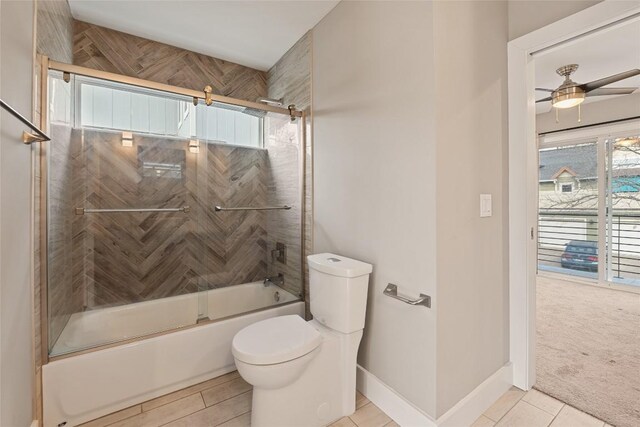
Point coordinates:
pixel 109 105
pixel 135 246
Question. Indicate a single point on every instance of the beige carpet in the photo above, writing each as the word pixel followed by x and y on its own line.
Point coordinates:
pixel 588 349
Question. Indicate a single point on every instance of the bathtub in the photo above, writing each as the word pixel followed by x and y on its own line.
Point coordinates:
pixel 83 387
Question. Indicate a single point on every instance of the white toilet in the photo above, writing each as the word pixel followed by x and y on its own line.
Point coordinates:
pixel 304 373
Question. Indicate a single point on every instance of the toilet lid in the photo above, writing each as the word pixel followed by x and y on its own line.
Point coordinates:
pixel 275 340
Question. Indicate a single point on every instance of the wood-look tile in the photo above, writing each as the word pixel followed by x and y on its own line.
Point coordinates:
pixel 501 406
pixel 343 422
pixel 217 414
pixel 370 416
pixel 54 33
pixel 166 413
pixel 225 391
pixel 572 417
pixel 114 417
pixel 483 421
pixel 360 400
pixel 524 414
pixel 109 50
pixel 243 420
pixel 543 401
pixel 167 398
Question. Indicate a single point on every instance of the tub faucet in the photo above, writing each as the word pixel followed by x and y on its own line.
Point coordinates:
pixel 274 280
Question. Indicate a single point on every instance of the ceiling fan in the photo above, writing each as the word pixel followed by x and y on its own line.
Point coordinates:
pixel 569 93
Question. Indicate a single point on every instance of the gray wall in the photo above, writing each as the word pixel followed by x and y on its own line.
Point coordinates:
pixel 405 141
pixel 16 71
pixel 472 158
pixel 526 16
pixel 374 175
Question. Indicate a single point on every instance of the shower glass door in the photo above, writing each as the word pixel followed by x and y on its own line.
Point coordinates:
pixel 162 213
pixel 124 216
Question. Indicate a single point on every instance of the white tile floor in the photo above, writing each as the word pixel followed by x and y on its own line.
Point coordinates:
pixel 517 408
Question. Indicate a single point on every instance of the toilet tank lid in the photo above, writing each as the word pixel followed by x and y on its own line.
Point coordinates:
pixel 338 265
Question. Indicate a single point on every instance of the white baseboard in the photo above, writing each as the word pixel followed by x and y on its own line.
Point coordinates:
pixel 391 403
pixel 464 413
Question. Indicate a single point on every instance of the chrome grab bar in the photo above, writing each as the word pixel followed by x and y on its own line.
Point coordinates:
pixel 392 291
pixel 82 211
pixel 264 208
pixel 27 137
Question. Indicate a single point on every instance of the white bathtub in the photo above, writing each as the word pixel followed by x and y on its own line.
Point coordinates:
pixel 83 387
pixel 104 326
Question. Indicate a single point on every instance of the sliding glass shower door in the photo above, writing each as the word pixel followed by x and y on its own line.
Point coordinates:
pixel 164 212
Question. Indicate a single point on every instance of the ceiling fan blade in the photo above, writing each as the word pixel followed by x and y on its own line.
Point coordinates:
pixel 603 91
pixel 609 80
pixel 544 99
pixel 544 89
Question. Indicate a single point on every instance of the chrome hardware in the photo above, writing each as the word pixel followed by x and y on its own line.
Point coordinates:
pixel 82 211
pixel 27 137
pixel 274 280
pixel 392 291
pixel 248 208
pixel 271 101
pixel 279 253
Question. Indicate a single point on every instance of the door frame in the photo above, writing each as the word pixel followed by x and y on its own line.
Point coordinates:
pixel 523 171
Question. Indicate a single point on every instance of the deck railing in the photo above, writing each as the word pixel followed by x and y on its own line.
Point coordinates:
pixel 557 227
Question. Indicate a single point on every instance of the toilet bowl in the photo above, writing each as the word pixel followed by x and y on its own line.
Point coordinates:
pixel 273 353
pixel 304 373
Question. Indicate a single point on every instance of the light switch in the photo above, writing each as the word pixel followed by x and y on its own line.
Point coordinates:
pixel 485 205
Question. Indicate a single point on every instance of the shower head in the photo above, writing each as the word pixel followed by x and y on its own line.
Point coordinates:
pixel 271 101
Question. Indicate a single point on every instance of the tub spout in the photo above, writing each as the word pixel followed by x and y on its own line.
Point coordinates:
pixel 274 280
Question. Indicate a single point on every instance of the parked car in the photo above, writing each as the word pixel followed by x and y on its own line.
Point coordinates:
pixel 580 255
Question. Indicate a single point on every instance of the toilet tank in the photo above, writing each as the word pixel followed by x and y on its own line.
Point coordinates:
pixel 338 291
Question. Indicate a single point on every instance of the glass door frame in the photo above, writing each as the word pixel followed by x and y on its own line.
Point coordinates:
pixel 599 134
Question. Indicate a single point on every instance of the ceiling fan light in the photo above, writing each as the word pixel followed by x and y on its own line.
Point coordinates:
pixel 567 96
pixel 568 103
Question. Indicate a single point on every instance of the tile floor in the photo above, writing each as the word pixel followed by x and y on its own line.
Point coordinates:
pixel 226 401
pixel 517 408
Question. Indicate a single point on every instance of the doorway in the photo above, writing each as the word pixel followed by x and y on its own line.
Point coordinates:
pixel 596 227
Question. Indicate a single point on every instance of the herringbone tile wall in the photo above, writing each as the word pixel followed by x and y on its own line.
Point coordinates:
pixel 104 259
pixel 290 79
pixel 132 257
pixel 109 50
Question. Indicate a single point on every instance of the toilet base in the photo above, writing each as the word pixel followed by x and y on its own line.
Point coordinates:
pixel 324 393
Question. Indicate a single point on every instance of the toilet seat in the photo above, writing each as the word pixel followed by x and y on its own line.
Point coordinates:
pixel 275 340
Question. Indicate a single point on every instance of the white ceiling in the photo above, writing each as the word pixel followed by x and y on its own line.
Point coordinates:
pixel 599 55
pixel 251 33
